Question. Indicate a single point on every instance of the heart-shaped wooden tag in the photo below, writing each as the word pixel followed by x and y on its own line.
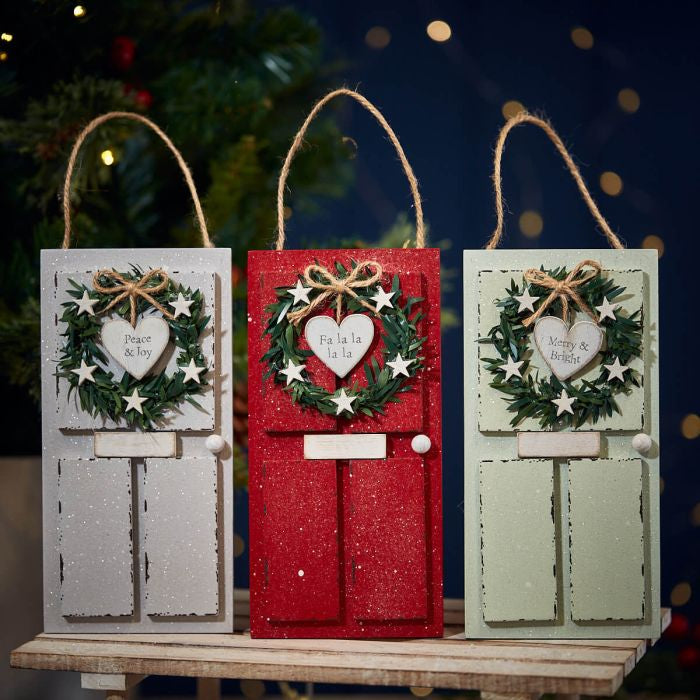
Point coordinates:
pixel 136 349
pixel 339 347
pixel 567 350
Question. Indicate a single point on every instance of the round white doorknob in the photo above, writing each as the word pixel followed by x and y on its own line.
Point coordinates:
pixel 641 442
pixel 421 444
pixel 215 443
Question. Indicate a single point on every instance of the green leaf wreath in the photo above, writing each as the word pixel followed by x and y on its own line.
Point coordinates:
pixel 400 337
pixel 532 397
pixel 104 396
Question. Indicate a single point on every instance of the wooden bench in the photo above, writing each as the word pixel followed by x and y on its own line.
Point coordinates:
pixel 499 669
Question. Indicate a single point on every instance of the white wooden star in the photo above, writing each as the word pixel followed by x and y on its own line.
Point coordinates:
pixel 181 305
pixel 300 293
pixel 293 372
pixel 85 304
pixel 399 366
pixel 84 372
pixel 343 402
pixel 383 299
pixel 616 370
pixel 606 310
pixel 526 301
pixel 192 371
pixel 134 402
pixel 564 402
pixel 512 368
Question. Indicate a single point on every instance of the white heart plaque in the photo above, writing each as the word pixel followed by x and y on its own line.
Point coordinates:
pixel 136 349
pixel 567 350
pixel 339 347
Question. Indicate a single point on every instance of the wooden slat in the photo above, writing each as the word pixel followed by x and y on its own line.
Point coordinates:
pixel 586 667
pixel 442 670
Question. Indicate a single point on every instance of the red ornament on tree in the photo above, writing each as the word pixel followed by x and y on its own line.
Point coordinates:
pixel 143 99
pixel 689 658
pixel 123 51
pixel 678 628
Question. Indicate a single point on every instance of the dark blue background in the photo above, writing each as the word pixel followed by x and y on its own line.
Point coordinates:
pixel 445 100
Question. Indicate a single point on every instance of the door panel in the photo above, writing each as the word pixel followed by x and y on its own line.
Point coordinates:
pixel 300 539
pixel 181 540
pixel 95 537
pixel 606 530
pixel 279 413
pixel 387 536
pixel 518 550
pixel 408 415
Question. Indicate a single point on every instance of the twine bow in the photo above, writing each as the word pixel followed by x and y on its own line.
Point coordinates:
pixel 565 289
pixel 337 286
pixel 132 289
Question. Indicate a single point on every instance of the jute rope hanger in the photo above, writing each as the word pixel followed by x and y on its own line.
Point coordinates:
pixel 526 118
pixel 297 143
pixel 206 241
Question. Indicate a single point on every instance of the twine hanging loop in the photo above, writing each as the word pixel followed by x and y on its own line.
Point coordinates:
pixel 337 286
pixel 133 289
pixel 565 289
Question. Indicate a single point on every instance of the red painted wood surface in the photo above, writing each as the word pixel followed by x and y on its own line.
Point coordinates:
pixel 345 548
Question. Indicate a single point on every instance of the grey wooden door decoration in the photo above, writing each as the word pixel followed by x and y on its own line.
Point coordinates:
pixel 562 525
pixel 138 521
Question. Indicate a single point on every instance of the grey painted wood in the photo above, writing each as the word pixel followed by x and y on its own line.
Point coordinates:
pixel 68 433
pixel 95 537
pixel 181 536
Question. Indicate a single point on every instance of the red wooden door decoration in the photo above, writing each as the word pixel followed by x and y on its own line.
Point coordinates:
pixel 345 498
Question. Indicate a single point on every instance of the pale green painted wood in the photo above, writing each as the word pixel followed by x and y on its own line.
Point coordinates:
pixel 517 540
pixel 493 411
pixel 616 445
pixel 607 539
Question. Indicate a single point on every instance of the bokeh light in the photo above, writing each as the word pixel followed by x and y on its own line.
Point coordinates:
pixel 79 11
pixel 512 108
pixel 238 545
pixel 531 223
pixel 582 38
pixel 681 594
pixel 690 426
pixel 420 692
pixel 611 183
pixel 628 100
pixel 6 37
pixel 378 38
pixel 654 242
pixel 439 30
pixel 695 515
pixel 107 157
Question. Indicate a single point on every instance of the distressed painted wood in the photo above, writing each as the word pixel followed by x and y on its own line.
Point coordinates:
pixel 595 667
pixel 69 434
pixel 518 546
pixel 136 349
pixel 365 446
pixel 489 437
pixel 606 530
pixel 340 347
pixel 564 444
pixel 95 544
pixel 181 538
pixel 318 567
pixel 135 444
pixel 567 350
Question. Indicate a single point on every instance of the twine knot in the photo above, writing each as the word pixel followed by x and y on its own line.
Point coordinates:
pixel 337 286
pixel 565 289
pixel 133 289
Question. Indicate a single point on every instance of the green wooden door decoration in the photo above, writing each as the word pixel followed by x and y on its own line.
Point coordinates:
pixel 561 437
